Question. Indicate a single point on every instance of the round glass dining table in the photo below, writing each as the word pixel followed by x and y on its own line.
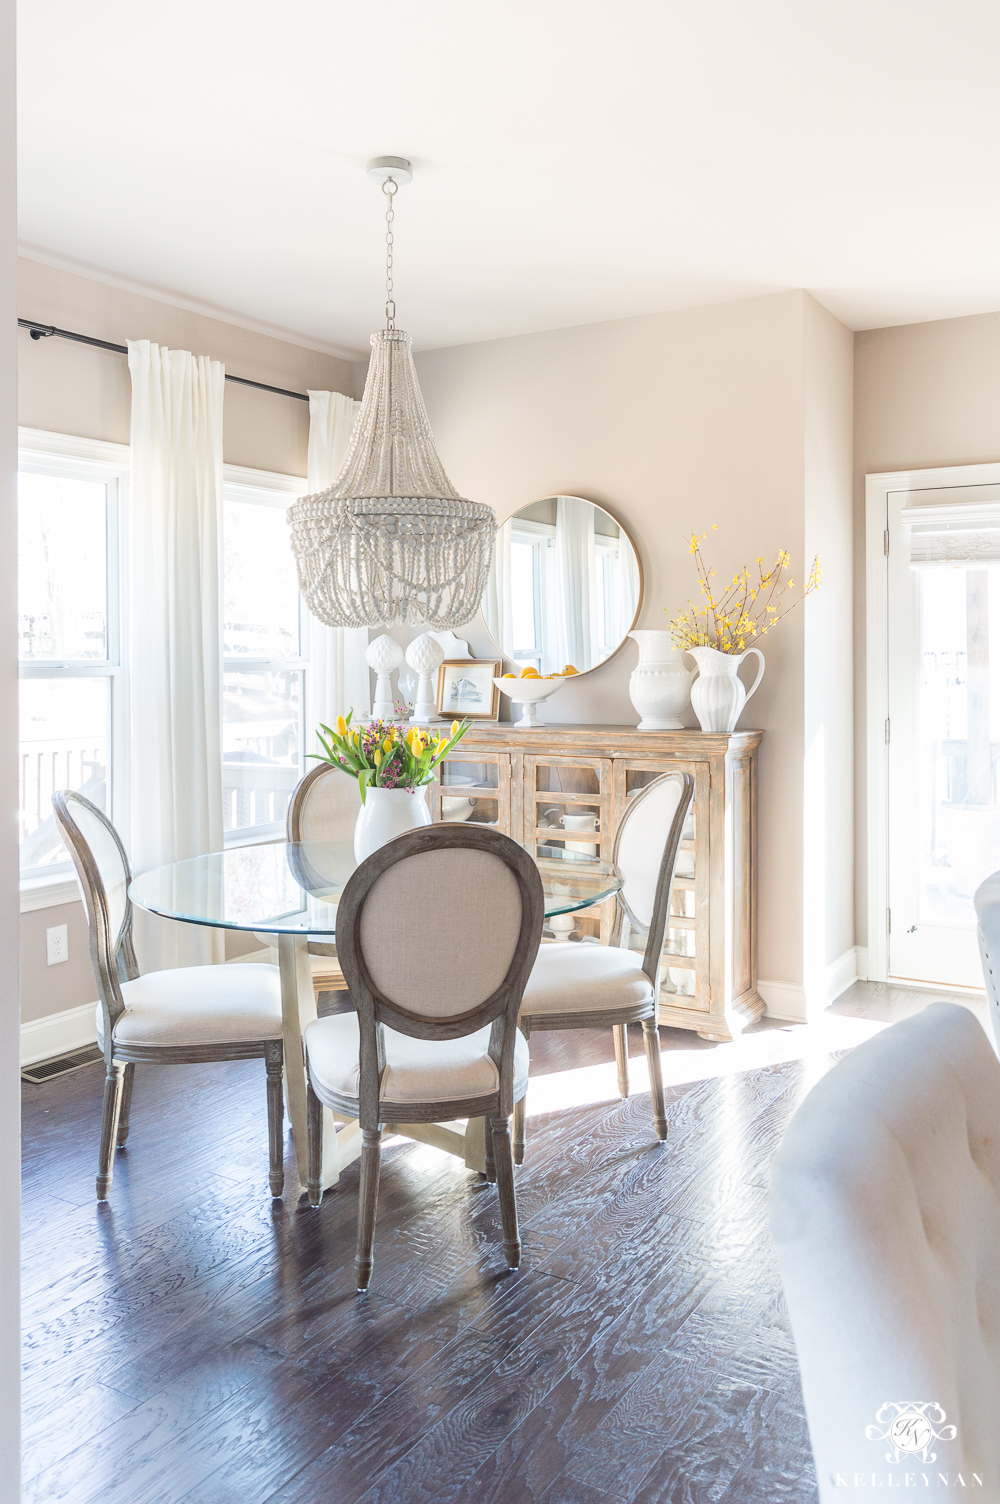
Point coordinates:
pixel 292 888
pixel 290 891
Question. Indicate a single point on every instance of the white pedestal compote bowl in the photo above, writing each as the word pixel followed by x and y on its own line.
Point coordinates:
pixel 528 693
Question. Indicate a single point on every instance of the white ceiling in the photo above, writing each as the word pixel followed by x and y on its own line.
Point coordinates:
pixel 575 160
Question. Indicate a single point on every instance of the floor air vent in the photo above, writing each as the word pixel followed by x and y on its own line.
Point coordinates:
pixel 62 1065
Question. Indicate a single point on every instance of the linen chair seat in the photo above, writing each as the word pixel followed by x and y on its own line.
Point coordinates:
pixel 416 1070
pixel 573 977
pixel 198 1005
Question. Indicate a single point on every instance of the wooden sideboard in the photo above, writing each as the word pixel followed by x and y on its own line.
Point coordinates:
pixel 522 780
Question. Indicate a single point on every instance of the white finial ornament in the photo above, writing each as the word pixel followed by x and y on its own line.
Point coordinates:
pixel 424 655
pixel 383 655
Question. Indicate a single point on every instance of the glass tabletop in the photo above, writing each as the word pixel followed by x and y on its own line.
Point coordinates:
pixel 293 889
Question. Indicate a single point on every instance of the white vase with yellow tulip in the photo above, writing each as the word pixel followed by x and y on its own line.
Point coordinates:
pixel 393 768
pixel 719 634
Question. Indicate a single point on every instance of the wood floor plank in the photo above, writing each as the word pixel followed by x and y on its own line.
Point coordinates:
pixel 192 1342
pixel 711 1446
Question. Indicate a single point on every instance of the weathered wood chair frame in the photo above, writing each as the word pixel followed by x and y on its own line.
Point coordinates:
pixel 621 1015
pixel 114 961
pixel 499 1010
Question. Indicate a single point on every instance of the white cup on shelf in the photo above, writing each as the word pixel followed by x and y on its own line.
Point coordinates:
pixel 581 851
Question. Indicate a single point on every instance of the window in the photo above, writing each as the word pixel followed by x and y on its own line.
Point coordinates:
pixel 609 611
pixel 531 564
pixel 72 718
pixel 535 597
pixel 264 643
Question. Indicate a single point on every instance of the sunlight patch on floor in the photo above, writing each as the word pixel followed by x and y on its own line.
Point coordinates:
pixel 815 1043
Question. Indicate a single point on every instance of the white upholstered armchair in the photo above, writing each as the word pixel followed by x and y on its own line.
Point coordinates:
pixel 885 1208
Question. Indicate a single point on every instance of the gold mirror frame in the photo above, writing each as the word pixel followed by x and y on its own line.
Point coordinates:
pixel 623 530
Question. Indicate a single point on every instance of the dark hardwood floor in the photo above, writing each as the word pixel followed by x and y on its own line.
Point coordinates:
pixel 192 1341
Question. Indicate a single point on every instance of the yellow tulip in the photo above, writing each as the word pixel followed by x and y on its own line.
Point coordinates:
pixel 378 758
pixel 387 744
pixel 341 726
pixel 454 726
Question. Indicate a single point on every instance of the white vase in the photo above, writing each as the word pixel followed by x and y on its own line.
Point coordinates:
pixel 660 684
pixel 386 814
pixel 718 695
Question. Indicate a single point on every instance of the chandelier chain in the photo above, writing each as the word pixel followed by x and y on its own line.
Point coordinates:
pixel 389 189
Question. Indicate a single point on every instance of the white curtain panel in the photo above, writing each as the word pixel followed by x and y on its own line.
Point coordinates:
pixel 628 584
pixel 576 576
pixel 176 640
pixel 339 673
pixel 497 607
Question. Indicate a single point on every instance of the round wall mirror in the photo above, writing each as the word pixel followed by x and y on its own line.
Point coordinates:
pixel 564 587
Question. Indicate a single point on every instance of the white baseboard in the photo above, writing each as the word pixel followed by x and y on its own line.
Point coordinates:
pixel 841 974
pixel 58 1033
pixel 861 951
pixel 790 1002
pixel 785 1000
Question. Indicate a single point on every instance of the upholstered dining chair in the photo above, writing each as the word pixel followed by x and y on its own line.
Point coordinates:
pixel 437 932
pixel 177 1017
pixel 579 986
pixel 987 901
pixel 324 807
pixel 885 1210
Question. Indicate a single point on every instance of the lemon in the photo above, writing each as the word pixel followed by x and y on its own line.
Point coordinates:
pixel 569 669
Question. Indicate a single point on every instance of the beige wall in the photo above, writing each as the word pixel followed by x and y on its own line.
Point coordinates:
pixel 826 624
pixel 925 394
pixel 75 389
pixel 52 989
pixel 676 421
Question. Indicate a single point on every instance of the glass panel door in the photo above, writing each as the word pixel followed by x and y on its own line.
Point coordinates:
pixel 944 745
pixel 473 786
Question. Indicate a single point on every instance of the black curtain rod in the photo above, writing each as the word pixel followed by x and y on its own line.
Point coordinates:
pixel 46 331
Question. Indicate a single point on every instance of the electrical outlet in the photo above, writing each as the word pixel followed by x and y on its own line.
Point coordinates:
pixel 56 945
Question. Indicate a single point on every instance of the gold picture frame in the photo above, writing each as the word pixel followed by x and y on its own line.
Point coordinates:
pixel 465 688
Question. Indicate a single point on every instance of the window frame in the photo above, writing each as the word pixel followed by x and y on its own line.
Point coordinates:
pixel 274 489
pixel 41 452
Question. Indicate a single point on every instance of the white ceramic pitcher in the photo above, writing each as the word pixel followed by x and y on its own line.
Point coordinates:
pixel 718 695
pixel 660 684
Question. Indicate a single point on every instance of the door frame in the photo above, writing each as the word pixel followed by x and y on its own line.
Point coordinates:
pixel 877 489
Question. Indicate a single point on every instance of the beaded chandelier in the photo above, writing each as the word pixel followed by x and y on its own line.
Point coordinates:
pixel 392 542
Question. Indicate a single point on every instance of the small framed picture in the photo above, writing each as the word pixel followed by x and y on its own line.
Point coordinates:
pixel 466 689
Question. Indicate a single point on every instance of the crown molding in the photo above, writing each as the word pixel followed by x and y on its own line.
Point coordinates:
pixel 189 305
